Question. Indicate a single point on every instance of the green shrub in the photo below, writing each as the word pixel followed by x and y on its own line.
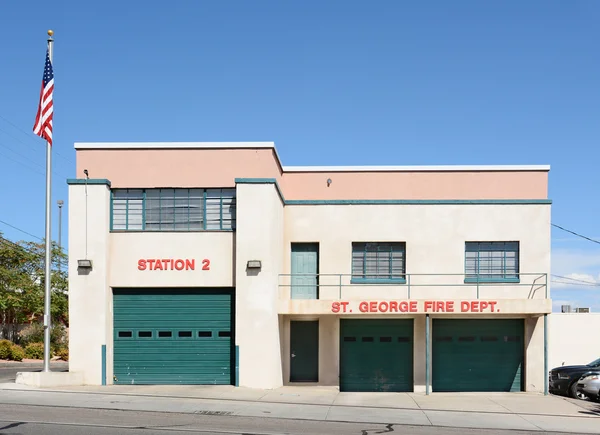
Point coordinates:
pixel 34 333
pixel 5 346
pixel 17 353
pixel 35 351
pixel 63 353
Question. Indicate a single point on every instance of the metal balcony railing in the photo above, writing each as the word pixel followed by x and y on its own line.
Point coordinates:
pixel 409 286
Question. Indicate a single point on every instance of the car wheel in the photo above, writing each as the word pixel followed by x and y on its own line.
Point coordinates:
pixel 576 394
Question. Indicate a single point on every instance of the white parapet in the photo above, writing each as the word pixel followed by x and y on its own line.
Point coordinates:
pixel 49 379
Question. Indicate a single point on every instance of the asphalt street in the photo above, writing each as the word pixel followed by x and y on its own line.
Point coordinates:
pixel 48 420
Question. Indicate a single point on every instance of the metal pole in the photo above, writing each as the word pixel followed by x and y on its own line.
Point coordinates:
pixel 545 354
pixel 427 354
pixel 48 265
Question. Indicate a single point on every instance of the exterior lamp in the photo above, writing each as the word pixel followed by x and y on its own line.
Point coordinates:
pixel 254 264
pixel 84 264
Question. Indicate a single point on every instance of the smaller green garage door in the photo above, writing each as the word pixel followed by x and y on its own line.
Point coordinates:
pixel 376 355
pixel 172 336
pixel 477 355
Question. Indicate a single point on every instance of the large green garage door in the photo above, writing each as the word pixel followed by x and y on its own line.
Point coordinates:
pixel 376 355
pixel 172 336
pixel 477 355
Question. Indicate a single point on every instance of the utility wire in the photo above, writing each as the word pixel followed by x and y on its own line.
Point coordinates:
pixel 24 232
pixel 19 229
pixel 36 170
pixel 28 250
pixel 575 284
pixel 576 234
pixel 576 280
pixel 29 137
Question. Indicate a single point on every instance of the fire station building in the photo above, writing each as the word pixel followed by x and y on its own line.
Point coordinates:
pixel 211 263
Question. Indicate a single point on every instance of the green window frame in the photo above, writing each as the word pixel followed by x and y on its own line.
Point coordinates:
pixel 378 263
pixel 164 209
pixel 492 262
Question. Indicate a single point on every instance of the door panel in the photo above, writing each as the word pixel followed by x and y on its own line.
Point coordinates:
pixel 304 347
pixel 376 355
pixel 477 355
pixel 173 336
pixel 305 267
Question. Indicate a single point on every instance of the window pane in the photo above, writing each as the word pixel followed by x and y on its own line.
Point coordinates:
pixel 213 209
pixel 493 260
pixel 378 260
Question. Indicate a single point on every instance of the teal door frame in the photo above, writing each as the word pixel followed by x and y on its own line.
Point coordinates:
pixel 304 351
pixel 305 271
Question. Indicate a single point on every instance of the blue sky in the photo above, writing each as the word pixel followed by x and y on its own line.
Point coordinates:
pixel 331 82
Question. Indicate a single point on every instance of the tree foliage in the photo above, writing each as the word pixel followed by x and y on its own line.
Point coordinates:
pixel 22 281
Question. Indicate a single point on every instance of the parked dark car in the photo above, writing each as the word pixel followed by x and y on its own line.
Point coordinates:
pixel 563 380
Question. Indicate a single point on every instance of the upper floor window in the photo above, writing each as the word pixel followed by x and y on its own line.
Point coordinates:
pixel 173 209
pixel 492 261
pixel 379 262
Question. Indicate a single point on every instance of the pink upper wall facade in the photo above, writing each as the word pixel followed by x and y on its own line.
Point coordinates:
pixel 209 165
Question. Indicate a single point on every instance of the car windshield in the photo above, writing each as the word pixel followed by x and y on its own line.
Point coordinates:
pixel 594 363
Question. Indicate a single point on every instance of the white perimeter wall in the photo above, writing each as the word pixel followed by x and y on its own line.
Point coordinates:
pixel 573 338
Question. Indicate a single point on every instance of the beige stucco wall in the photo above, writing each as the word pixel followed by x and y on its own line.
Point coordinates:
pixel 259 236
pixel 90 298
pixel 573 338
pixel 435 238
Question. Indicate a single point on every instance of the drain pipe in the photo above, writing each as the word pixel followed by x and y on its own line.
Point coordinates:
pixel 427 354
pixel 546 354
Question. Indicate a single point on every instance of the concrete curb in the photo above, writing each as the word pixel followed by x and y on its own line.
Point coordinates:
pixel 40 365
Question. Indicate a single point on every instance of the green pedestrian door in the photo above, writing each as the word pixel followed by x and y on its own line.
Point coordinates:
pixel 173 336
pixel 305 267
pixel 304 347
pixel 477 355
pixel 376 355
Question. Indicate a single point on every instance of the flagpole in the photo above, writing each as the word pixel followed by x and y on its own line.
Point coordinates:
pixel 48 265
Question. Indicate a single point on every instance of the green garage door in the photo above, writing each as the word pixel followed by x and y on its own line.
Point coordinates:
pixel 172 336
pixel 376 355
pixel 477 355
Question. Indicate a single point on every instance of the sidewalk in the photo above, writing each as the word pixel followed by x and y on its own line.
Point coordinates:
pixel 516 411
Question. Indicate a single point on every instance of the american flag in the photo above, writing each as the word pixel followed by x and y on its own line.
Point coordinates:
pixel 43 119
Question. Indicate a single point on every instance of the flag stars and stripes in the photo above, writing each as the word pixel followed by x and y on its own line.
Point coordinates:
pixel 43 119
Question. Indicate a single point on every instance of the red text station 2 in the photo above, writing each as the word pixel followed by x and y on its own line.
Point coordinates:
pixel 171 264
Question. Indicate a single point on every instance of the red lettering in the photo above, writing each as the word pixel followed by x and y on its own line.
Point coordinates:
pixel 428 305
pixel 439 306
pixel 172 265
pixel 493 306
pixel 344 305
pixel 179 264
pixel 413 306
pixel 483 305
pixel 464 306
pixel 190 264
pixel 475 306
pixel 363 307
pixel 450 306
pixel 165 263
pixel 335 307
pixel 403 307
pixel 373 307
pixel 150 264
pixel 383 307
pixel 141 264
pixel 205 264
pixel 393 306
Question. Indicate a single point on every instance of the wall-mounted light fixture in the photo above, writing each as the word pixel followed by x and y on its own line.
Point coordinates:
pixel 254 264
pixel 84 264
pixel 328 182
